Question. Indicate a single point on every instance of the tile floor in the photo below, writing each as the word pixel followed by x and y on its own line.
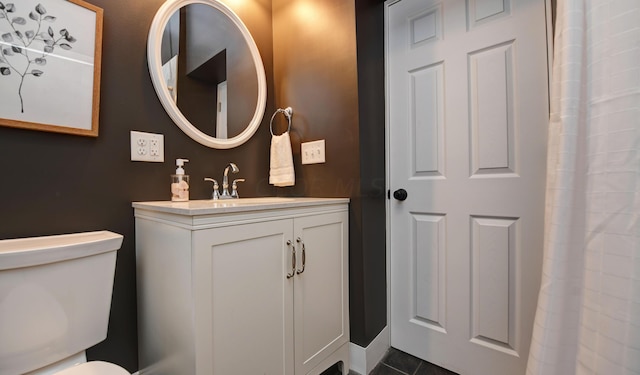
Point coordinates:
pixel 396 362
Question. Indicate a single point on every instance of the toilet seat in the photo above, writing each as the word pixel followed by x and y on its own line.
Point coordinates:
pixel 94 368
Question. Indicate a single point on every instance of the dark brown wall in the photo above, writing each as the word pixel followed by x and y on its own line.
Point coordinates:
pixel 316 72
pixel 54 183
pixel 369 304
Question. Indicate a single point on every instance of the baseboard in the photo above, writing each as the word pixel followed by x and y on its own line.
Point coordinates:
pixel 363 360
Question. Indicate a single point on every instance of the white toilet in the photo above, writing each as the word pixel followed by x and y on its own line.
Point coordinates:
pixel 55 299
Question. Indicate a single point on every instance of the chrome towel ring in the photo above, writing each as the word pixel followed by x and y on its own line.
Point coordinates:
pixel 287 112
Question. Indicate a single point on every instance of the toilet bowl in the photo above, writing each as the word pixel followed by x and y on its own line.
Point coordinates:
pixel 55 299
pixel 78 365
pixel 94 368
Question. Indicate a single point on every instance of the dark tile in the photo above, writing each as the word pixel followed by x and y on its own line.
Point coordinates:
pixel 427 368
pixel 401 361
pixel 397 362
pixel 335 370
pixel 382 369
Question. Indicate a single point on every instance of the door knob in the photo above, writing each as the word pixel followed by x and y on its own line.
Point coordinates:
pixel 400 194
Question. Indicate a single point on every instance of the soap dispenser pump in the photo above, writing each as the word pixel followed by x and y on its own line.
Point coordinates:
pixel 180 183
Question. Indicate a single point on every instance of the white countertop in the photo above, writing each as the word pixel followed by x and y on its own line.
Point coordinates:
pixel 210 206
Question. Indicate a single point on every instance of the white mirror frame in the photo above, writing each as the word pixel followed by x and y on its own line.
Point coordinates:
pixel 155 68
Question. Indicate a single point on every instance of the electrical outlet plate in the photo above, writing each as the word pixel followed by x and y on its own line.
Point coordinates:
pixel 313 152
pixel 147 147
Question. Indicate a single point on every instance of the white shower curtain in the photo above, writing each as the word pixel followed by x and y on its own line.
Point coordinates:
pixel 588 315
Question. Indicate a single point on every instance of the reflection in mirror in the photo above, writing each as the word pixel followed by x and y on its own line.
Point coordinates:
pixel 209 71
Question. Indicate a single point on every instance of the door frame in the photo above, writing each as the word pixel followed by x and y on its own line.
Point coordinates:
pixel 549 4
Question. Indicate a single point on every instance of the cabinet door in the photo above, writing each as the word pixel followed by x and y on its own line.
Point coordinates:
pixel 243 299
pixel 321 291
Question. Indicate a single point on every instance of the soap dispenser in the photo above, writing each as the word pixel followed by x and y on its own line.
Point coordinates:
pixel 180 183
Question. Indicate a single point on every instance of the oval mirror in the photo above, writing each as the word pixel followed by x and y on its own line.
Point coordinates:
pixel 207 71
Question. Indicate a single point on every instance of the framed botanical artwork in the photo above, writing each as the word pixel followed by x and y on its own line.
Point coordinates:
pixel 50 55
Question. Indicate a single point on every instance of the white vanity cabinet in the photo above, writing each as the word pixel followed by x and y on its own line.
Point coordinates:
pixel 219 290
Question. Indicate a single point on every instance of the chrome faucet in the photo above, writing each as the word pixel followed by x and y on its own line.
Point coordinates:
pixel 215 195
pixel 225 184
pixel 234 187
pixel 225 181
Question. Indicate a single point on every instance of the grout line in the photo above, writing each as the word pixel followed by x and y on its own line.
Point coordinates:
pixel 418 368
pixel 400 371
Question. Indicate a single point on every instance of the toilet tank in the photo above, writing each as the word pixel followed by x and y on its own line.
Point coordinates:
pixel 55 297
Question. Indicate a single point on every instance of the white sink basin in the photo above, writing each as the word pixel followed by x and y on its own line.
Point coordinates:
pixel 263 200
pixel 210 206
pixel 207 203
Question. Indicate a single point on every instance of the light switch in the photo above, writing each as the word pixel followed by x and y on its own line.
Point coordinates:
pixel 313 152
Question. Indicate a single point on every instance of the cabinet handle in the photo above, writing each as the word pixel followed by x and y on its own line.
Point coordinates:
pixel 304 256
pixel 293 261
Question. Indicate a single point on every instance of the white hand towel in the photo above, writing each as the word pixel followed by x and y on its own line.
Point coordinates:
pixel 281 172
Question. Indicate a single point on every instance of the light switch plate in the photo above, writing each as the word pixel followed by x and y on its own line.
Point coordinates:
pixel 147 147
pixel 313 152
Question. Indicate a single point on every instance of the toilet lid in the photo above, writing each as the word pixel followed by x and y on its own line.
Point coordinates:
pixel 94 368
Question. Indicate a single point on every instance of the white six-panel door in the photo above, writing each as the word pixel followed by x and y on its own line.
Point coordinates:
pixel 467 102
